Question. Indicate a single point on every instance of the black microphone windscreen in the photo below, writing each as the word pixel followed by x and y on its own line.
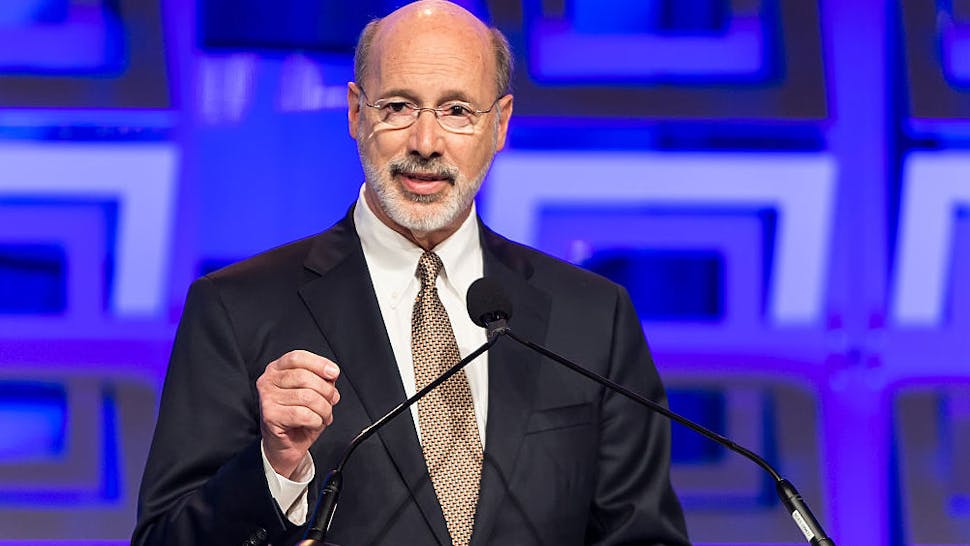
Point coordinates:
pixel 487 301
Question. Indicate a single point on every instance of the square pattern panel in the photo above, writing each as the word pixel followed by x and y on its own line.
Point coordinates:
pixel 931 433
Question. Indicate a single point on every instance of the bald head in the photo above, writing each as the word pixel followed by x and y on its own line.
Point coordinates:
pixel 433 18
pixel 437 11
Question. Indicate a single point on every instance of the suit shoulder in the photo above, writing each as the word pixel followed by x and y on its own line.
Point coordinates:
pixel 283 262
pixel 559 276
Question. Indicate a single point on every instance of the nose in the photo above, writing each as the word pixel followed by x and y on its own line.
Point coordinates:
pixel 426 135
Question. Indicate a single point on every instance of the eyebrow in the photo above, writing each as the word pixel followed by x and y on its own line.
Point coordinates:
pixel 447 96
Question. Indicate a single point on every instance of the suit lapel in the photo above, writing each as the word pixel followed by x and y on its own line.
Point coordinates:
pixel 512 374
pixel 345 308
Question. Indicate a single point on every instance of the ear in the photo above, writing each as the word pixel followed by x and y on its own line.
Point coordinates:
pixel 505 104
pixel 353 109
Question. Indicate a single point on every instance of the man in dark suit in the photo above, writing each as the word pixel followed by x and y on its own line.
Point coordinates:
pixel 513 450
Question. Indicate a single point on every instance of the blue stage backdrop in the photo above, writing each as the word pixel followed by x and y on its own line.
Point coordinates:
pixel 783 187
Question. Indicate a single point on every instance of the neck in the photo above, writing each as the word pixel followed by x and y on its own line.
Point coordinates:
pixel 424 239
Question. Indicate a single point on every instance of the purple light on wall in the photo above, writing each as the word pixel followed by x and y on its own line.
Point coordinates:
pixel 560 54
pixel 957 443
pixel 303 86
pixel 955 45
pixel 80 41
pixel 226 87
pixel 81 231
pixel 33 417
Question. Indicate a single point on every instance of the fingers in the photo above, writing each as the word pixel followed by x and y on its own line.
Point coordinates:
pixel 321 366
pixel 307 417
pixel 298 391
pixel 295 401
pixel 297 379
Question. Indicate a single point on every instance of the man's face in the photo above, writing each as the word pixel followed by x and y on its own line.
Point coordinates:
pixel 424 176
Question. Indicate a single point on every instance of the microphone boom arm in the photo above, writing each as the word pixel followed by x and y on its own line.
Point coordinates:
pixel 789 496
pixel 327 501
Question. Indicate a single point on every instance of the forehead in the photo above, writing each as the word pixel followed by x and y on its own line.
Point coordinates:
pixel 432 57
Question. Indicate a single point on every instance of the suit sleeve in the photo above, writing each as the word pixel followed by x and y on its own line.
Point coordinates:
pixel 204 481
pixel 634 502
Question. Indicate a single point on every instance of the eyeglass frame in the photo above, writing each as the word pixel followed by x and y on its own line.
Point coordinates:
pixel 437 111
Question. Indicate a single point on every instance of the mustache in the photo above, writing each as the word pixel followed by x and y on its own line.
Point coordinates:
pixel 418 165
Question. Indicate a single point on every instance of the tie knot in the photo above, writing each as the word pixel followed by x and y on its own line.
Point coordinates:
pixel 428 268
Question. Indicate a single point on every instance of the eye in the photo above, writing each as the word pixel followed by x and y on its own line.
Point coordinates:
pixel 395 107
pixel 456 109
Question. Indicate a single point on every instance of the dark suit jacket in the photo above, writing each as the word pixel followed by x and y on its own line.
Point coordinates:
pixel 565 462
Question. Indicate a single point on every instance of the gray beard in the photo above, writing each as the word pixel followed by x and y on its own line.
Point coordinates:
pixel 416 212
pixel 433 212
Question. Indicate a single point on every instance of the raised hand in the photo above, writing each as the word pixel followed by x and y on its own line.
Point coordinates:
pixel 296 399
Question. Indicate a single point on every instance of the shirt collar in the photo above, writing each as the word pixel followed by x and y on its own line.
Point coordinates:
pixel 393 259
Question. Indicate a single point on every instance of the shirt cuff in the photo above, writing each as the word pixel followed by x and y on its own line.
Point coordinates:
pixel 290 495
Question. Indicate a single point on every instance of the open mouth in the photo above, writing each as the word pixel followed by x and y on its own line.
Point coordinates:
pixel 424 183
pixel 426 177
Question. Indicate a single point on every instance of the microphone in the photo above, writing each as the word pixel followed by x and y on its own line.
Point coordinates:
pixel 485 304
pixel 491 317
pixel 489 307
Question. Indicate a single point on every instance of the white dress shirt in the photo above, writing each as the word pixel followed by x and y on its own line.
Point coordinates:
pixel 392 261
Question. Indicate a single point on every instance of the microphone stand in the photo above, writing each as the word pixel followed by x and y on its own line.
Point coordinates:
pixel 789 496
pixel 497 326
pixel 322 515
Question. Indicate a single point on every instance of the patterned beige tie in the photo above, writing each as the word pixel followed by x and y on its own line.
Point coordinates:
pixel 449 433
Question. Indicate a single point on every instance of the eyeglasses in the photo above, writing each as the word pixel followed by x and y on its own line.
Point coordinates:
pixel 455 116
